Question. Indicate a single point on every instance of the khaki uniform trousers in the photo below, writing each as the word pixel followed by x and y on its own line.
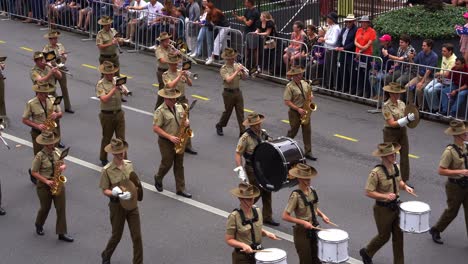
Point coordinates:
pixel 295 123
pixel 2 96
pixel 242 258
pixel 64 88
pixel 267 212
pixel 400 136
pixel 307 248
pixel 45 199
pixel 111 123
pixel 112 58
pixel 169 158
pixel 233 99
pixel 161 85
pixel 118 215
pixel 388 223
pixel 419 92
pixel 456 197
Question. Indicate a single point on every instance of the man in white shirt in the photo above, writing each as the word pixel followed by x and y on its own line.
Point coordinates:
pixel 150 30
pixel 331 42
pixel 136 17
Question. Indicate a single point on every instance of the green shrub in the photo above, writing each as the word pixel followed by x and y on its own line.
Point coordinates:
pixel 418 22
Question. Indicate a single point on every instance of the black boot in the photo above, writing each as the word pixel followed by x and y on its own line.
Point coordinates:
pixel 436 236
pixel 66 238
pixel 39 230
pixel 366 259
pixel 219 130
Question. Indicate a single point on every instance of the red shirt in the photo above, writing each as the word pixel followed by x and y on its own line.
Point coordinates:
pixel 456 76
pixel 363 37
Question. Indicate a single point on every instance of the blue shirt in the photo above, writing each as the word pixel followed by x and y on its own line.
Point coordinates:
pixel 429 59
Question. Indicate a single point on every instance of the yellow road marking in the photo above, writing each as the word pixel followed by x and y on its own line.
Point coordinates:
pixel 345 137
pixel 413 156
pixel 285 121
pixel 128 76
pixel 248 110
pixel 200 97
pixel 89 66
pixel 156 84
pixel 1 41
pixel 26 48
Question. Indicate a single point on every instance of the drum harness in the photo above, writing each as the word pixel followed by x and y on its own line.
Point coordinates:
pixel 462 182
pixel 254 245
pixel 392 204
pixel 311 233
pixel 264 136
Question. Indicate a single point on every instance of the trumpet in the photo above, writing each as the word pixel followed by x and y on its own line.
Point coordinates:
pixel 116 36
pixel 243 68
pixel 120 83
pixel 182 52
pixel 62 71
pixel 191 75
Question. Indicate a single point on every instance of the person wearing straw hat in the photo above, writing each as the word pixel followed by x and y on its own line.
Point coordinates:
pixel 42 169
pixel 395 130
pixel 36 112
pixel 294 97
pixel 240 224
pixel 112 117
pixel 383 185
pixel 175 78
pixel 167 120
pixel 246 145
pixel 3 115
pixel 43 73
pixel 232 95
pixel 303 202
pixel 107 43
pixel 61 56
pixel 161 53
pixel 453 165
pixel 115 172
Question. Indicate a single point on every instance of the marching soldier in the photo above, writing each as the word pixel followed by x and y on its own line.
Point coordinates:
pixel 121 207
pixel 112 117
pixel 232 95
pixel 3 116
pixel 383 185
pixel 304 203
pixel 41 72
pixel 161 53
pixel 454 165
pixel 37 110
pixel 253 136
pixel 43 170
pixel 107 43
pixel 244 228
pixel 167 120
pixel 395 130
pixel 176 79
pixel 61 56
pixel 294 97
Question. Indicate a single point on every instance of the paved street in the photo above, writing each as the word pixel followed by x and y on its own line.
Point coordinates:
pixel 178 230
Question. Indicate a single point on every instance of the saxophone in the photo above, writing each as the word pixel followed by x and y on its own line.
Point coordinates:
pixel 49 123
pixel 184 132
pixel 308 106
pixel 58 179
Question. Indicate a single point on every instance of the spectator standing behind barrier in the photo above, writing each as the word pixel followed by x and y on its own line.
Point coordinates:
pixel 250 19
pixel 203 34
pixel 365 37
pixel 117 6
pixel 457 91
pixel 331 42
pixel 432 90
pixel 217 18
pixel 192 32
pixel 462 31
pixel 310 39
pixel 426 57
pixel 317 60
pixel 150 30
pixel 266 28
pixel 400 73
pixel 346 43
pixel 38 11
pixel 293 50
pixel 380 71
pixel 135 18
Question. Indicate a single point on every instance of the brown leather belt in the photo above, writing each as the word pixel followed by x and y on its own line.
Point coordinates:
pixel 232 90
pixel 108 56
pixel 111 111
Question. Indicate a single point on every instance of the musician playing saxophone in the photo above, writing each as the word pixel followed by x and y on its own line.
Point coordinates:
pixel 43 170
pixel 167 120
pixel 295 97
pixel 37 110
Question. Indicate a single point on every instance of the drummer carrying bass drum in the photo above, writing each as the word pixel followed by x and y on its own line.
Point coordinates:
pixel 253 136
pixel 383 185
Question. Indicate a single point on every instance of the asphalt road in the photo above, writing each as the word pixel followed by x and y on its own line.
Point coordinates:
pixel 192 231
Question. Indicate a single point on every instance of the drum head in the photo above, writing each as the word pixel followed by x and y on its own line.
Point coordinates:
pixel 273 256
pixel 415 207
pixel 127 185
pixel 333 235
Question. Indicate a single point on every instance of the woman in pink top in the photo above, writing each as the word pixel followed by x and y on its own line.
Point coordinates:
pixel 293 51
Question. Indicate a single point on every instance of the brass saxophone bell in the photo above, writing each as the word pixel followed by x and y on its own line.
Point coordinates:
pixel 313 106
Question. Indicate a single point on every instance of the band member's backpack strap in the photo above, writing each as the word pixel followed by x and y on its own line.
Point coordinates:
pixel 310 204
pixel 249 222
pixel 460 154
pixel 397 173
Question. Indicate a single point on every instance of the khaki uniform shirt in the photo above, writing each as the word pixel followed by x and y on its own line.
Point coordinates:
pixel 378 182
pixel 58 49
pixel 296 205
pixel 103 87
pixel 226 71
pixel 165 119
pixel 247 144
pixel 42 162
pixel 452 161
pixel 105 37
pixel 169 76
pixel 161 52
pixel 391 110
pixel 241 232
pixel 37 72
pixel 112 175
pixel 34 110
pixel 293 93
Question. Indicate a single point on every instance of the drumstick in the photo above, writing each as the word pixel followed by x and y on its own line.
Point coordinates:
pixel 333 224
pixel 412 193
pixel 255 251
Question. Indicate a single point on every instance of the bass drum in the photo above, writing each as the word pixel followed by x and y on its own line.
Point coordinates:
pixel 272 161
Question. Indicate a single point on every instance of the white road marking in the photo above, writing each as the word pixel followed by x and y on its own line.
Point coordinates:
pixel 129 108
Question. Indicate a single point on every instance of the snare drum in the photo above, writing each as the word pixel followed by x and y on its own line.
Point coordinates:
pixel 272 161
pixel 414 217
pixel 333 246
pixel 271 255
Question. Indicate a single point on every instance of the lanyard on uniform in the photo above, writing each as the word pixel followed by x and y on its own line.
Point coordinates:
pixel 397 173
pixel 300 88
pixel 460 154
pixel 44 107
pixel 174 114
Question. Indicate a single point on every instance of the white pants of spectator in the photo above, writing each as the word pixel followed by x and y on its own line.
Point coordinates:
pixel 219 41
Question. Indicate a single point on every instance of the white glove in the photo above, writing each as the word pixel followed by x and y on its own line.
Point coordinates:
pixel 411 117
pixel 241 173
pixel 403 121
pixel 116 191
pixel 125 196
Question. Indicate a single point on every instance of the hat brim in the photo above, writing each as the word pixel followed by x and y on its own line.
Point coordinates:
pixel 378 153
pixel 41 141
pixel 108 149
pixel 449 131
pixel 104 24
pixel 174 62
pixel 382 39
pixel 236 192
pixel 47 36
pixel 292 73
pixel 223 55
pixel 3 58
pixel 364 20
pixel 349 19
pixel 162 94
pixel 247 123
pixel 333 18
pixel 389 90
pixel 101 70
pixel 294 174
pixel 163 38
pixel 49 90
